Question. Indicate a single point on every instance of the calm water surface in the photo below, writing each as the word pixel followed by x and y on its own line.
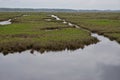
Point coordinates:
pixel 5 22
pixel 100 61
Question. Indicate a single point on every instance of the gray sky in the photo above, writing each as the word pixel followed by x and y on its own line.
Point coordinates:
pixel 67 4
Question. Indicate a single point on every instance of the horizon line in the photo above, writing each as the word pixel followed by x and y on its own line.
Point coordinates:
pixel 63 8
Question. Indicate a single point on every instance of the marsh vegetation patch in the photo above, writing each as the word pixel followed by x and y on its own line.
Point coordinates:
pixel 104 23
pixel 29 32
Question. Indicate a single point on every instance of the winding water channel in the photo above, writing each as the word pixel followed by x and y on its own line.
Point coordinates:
pixel 99 61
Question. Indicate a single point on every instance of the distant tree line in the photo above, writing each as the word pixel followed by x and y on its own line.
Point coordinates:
pixel 50 10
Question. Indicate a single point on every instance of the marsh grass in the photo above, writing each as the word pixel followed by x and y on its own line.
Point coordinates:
pixel 9 15
pixel 29 33
pixel 104 23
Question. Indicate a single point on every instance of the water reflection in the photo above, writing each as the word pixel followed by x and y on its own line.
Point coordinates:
pixel 5 22
pixel 110 72
pixel 56 17
pixel 100 61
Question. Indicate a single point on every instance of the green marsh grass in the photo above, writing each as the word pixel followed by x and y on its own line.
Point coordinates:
pixel 35 33
pixel 105 23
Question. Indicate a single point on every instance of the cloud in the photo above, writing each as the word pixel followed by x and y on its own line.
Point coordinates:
pixel 73 4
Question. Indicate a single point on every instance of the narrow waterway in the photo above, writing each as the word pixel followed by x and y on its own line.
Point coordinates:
pixel 99 61
pixel 5 22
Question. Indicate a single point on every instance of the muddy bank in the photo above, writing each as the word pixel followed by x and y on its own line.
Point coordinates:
pixel 19 46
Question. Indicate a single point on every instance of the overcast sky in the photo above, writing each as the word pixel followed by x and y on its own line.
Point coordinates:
pixel 67 4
